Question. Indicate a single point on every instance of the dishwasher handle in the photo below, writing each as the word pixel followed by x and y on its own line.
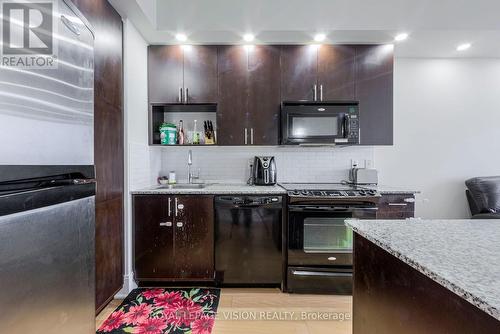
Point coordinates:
pixel 249 202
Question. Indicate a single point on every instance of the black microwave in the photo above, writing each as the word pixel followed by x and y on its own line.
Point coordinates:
pixel 320 122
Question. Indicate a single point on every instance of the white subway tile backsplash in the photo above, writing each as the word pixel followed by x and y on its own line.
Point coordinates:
pixel 294 164
pixel 145 164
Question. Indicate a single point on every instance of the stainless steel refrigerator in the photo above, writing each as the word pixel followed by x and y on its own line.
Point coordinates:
pixel 47 188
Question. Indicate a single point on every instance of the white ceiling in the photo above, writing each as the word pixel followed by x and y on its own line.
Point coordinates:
pixel 436 27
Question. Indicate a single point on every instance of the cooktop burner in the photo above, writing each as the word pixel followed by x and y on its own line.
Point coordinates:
pixel 328 190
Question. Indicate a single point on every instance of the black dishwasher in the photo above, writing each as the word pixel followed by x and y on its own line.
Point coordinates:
pixel 248 240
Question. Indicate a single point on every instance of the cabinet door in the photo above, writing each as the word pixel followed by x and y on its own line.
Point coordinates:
pixel 400 206
pixel 153 237
pixel 264 94
pixel 299 68
pixel 232 109
pixel 200 74
pixel 336 72
pixel 194 237
pixel 374 86
pixel 165 73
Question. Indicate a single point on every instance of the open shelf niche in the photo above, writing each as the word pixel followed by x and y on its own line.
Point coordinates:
pixel 173 113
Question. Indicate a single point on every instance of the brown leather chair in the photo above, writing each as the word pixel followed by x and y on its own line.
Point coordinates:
pixel 483 195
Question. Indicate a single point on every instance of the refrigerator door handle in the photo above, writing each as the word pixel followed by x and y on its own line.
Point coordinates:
pixel 70 25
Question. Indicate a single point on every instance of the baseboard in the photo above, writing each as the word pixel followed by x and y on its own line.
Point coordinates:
pixel 128 285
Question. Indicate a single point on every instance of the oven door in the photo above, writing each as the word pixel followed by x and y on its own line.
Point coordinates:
pixel 318 236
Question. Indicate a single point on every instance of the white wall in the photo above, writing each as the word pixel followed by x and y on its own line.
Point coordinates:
pixel 446 129
pixel 142 163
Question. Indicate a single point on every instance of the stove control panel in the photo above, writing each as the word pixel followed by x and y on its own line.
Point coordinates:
pixel 334 193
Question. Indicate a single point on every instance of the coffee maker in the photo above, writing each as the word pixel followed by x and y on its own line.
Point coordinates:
pixel 264 171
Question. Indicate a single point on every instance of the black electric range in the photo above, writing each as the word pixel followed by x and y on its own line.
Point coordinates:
pixel 319 245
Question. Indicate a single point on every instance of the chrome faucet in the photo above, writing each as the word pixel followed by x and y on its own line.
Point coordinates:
pixel 191 176
pixel 190 162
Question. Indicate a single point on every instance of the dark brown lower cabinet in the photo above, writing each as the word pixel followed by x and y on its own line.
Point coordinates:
pixel 396 206
pixel 173 238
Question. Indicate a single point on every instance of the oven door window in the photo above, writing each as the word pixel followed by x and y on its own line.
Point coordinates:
pixel 326 235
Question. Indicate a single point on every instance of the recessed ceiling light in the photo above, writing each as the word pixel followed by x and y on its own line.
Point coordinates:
pixel 319 37
pixel 463 47
pixel 401 37
pixel 248 37
pixel 181 37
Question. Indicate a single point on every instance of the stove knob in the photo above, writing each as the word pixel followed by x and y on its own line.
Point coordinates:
pixel 305 192
pixel 362 193
pixel 295 192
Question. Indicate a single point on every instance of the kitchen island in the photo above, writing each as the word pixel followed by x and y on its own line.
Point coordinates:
pixel 426 276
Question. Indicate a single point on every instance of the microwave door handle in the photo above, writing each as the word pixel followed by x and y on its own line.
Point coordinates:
pixel 346 128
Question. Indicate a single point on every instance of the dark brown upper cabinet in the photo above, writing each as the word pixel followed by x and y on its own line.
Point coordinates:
pixel 232 109
pixel 299 72
pixel 182 74
pixel 249 95
pixel 374 91
pixel 318 72
pixel 165 73
pixel 336 72
pixel 264 94
pixel 200 74
pixel 249 83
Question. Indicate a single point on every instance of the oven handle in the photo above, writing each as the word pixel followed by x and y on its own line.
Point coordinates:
pixel 319 273
pixel 294 208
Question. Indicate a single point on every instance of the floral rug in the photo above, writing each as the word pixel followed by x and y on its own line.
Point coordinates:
pixel 160 311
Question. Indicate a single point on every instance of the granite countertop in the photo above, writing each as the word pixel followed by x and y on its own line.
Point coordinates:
pixel 461 255
pixel 214 188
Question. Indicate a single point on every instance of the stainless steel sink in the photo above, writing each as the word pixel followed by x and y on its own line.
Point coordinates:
pixel 183 186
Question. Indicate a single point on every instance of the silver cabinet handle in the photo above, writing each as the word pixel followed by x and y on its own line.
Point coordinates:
pixel 180 94
pixel 168 224
pixel 397 204
pixel 246 136
pixel 332 258
pixel 409 200
pixel 319 273
pixel 321 92
pixel 251 136
pixel 186 97
pixel 176 210
pixel 315 92
pixel 179 224
pixel 169 208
